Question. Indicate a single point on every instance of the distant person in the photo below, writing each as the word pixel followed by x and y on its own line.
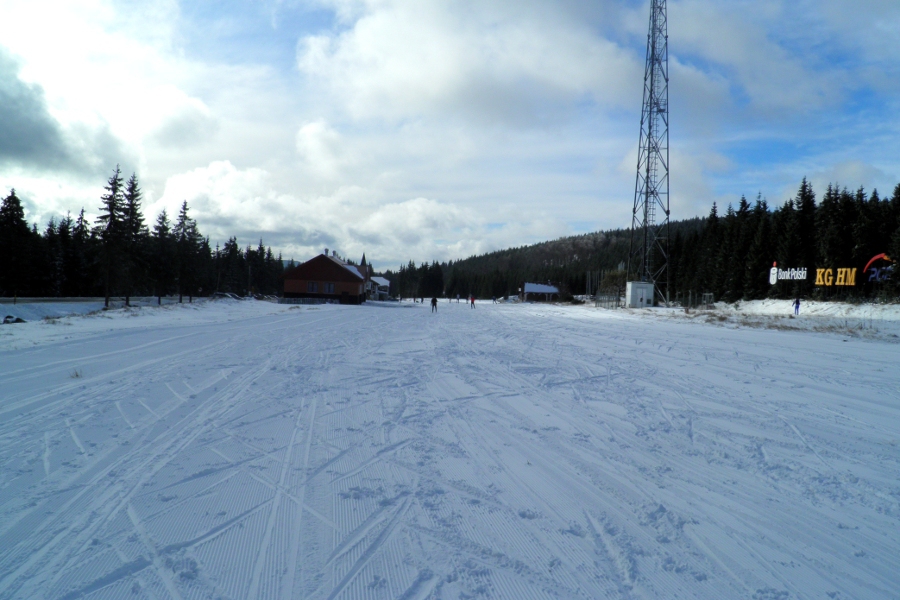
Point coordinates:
pixel 796 306
pixel 472 298
pixel 494 299
pixel 434 304
pixel 457 298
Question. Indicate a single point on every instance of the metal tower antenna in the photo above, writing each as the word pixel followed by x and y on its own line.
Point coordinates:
pixel 649 255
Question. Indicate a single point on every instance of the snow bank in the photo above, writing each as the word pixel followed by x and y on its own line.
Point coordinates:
pixel 49 322
pixel 33 311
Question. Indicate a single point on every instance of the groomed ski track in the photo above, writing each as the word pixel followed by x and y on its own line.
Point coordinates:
pixel 510 451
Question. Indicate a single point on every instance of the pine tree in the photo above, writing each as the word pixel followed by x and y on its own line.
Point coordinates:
pixel 134 234
pixel 187 249
pixel 15 247
pixel 759 256
pixel 828 227
pixel 789 251
pixel 111 230
pixel 81 257
pixel 711 246
pixel 51 263
pixel 163 256
pixel 805 205
pixel 64 234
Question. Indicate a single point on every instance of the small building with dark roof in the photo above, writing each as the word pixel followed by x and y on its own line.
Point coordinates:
pixel 327 278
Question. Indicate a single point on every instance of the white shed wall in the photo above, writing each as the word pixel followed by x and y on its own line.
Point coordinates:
pixel 638 294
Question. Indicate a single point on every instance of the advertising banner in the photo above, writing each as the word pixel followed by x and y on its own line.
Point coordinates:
pixel 879 269
pixel 776 274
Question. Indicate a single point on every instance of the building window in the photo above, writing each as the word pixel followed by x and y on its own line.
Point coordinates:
pixel 312 286
pixel 329 288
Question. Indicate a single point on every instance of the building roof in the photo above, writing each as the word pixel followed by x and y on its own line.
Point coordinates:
pixel 540 288
pixel 325 268
pixel 381 281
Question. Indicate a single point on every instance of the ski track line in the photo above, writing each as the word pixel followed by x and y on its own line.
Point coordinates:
pixel 805 443
pixel 21 408
pixel 46 455
pixel 287 589
pixel 121 412
pixel 157 563
pixel 156 457
pixel 624 568
pixel 43 367
pixel 601 456
pixel 369 552
pixel 253 590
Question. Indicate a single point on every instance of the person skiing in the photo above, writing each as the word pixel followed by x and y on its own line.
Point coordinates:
pixel 472 298
pixel 434 304
pixel 796 306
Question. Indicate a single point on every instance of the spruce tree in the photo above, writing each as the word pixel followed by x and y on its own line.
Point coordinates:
pixel 134 235
pixel 64 234
pixel 759 256
pixel 82 257
pixel 789 250
pixel 187 248
pixel 110 226
pixel 162 257
pixel 15 247
pixel 805 205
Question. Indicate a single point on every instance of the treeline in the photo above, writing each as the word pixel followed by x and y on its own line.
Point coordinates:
pixel 728 255
pixel 563 262
pixel 119 255
pixel 410 281
pixel 732 254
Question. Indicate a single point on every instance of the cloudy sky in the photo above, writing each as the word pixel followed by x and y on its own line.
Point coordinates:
pixel 436 129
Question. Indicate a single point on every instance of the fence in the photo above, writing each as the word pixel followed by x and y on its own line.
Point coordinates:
pixel 608 301
pixel 306 301
pixel 692 299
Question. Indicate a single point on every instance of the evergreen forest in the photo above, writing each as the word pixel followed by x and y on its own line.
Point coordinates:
pixel 728 255
pixel 121 255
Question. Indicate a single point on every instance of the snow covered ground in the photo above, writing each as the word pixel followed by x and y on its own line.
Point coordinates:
pixel 250 450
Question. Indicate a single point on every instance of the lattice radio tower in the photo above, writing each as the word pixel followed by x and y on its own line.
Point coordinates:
pixel 649 256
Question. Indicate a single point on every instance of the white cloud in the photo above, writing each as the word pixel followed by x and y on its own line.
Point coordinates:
pixel 435 129
pixel 321 150
pixel 229 201
pixel 489 62
pixel 733 38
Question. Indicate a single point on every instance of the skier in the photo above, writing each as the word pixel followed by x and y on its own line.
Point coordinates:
pixel 434 304
pixel 457 298
pixel 472 298
pixel 796 306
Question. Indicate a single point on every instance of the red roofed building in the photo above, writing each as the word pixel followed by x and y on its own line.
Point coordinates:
pixel 327 278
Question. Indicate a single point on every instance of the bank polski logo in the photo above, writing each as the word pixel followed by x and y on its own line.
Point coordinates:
pixel 773 274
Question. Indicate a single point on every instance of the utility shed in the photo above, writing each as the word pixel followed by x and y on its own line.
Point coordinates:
pixel 638 294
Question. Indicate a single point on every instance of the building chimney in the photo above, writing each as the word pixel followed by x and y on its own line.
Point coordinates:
pixel 326 251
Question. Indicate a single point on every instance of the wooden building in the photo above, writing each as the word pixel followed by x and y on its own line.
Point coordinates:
pixel 327 277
